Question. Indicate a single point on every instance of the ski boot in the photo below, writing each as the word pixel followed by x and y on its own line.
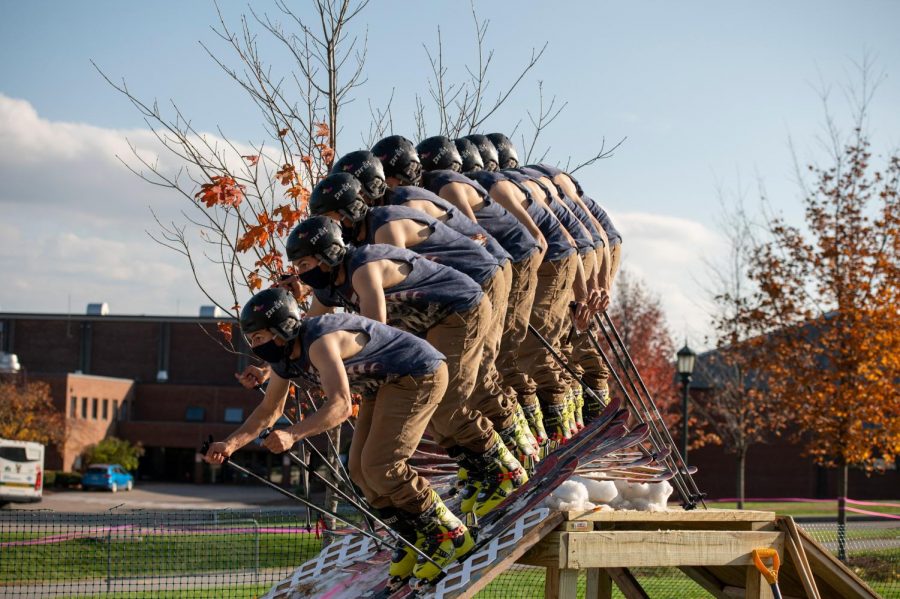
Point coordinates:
pixel 403 558
pixel 570 411
pixel 557 426
pixel 444 538
pixel 594 402
pixel 500 473
pixel 535 419
pixel 579 407
pixel 516 441
pixel 466 485
pixel 523 424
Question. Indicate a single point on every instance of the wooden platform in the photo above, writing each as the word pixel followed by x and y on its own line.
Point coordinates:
pixel 713 547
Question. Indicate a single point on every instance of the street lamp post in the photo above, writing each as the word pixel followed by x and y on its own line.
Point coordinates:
pixel 685 365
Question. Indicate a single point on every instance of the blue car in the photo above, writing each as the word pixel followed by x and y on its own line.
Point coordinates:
pixel 107 476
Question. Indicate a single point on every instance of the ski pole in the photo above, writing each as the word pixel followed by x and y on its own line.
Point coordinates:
pixel 559 360
pixel 204 448
pixel 690 479
pixel 771 575
pixel 357 503
pixel 656 439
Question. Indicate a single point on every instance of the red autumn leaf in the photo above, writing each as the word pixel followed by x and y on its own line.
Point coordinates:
pixel 254 281
pixel 222 191
pixel 286 174
pixel 298 193
pixel 327 155
pixel 307 160
pixel 322 130
pixel 251 160
pixel 283 132
pixel 225 329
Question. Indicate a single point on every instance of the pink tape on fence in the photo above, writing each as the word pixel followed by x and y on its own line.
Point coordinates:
pixel 868 513
pixel 811 500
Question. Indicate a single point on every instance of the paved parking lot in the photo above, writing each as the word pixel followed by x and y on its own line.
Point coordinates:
pixel 159 496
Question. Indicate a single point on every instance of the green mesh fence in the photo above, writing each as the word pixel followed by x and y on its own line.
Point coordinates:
pixel 242 553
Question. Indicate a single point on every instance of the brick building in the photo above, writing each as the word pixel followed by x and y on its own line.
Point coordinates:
pixel 162 381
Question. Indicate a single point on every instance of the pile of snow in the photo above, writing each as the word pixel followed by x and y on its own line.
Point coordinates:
pixel 580 493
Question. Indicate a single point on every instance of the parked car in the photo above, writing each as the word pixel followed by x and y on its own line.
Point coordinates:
pixel 21 471
pixel 107 476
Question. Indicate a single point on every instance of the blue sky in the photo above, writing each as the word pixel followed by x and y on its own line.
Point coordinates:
pixel 707 94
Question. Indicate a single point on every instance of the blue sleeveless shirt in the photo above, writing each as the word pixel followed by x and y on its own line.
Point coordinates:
pixel 428 294
pixel 495 219
pixel 552 171
pixel 583 241
pixel 444 245
pixel 558 246
pixel 389 353
pixel 456 220
pixel 615 238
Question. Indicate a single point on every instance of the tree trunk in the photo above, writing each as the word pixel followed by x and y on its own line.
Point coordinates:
pixel 331 499
pixel 741 472
pixel 843 475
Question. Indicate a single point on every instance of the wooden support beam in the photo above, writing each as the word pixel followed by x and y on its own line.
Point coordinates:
pixel 673 515
pixel 561 584
pixel 620 549
pixel 599 584
pixel 757 587
pixel 794 546
pixel 705 579
pixel 628 584
pixel 832 572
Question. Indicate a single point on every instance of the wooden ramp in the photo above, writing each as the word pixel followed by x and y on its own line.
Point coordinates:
pixel 712 547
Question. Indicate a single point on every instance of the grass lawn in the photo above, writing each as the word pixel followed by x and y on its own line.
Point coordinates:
pixel 790 508
pixel 660 583
pixel 152 555
pixel 241 592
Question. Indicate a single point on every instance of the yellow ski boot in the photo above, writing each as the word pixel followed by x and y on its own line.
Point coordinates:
pixel 445 539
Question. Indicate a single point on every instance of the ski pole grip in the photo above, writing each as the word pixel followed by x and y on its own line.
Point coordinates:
pixel 771 575
pixel 204 447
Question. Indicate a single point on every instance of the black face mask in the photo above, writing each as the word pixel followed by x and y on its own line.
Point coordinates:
pixel 316 278
pixel 271 352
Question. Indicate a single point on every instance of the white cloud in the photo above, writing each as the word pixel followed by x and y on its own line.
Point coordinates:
pixel 668 253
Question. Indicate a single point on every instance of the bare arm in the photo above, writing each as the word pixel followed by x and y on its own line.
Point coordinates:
pixel 454 194
pixel 266 413
pixel 317 308
pixel 368 282
pixel 325 356
pixel 510 197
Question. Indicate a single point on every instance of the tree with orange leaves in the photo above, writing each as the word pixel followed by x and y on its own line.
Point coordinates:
pixel 826 312
pixel 641 322
pixel 27 414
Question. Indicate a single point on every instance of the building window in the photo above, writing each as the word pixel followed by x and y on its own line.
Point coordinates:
pixel 195 414
pixel 234 415
pixel 105 409
pixel 73 407
pixel 94 403
pixel 115 409
pixel 123 410
pixel 84 407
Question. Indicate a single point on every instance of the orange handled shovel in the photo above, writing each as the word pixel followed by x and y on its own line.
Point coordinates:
pixel 771 575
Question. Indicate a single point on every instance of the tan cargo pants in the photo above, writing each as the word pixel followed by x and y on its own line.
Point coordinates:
pixel 388 430
pixel 460 337
pixel 550 317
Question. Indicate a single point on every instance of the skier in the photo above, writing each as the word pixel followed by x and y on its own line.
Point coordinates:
pixel 445 307
pixel 508 422
pixel 517 233
pixel 401 378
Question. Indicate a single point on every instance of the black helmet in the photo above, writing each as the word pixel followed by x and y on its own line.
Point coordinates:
pixel 471 157
pixel 273 310
pixel 341 193
pixel 439 153
pixel 319 237
pixel 363 165
pixel 487 150
pixel 506 151
pixel 399 159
